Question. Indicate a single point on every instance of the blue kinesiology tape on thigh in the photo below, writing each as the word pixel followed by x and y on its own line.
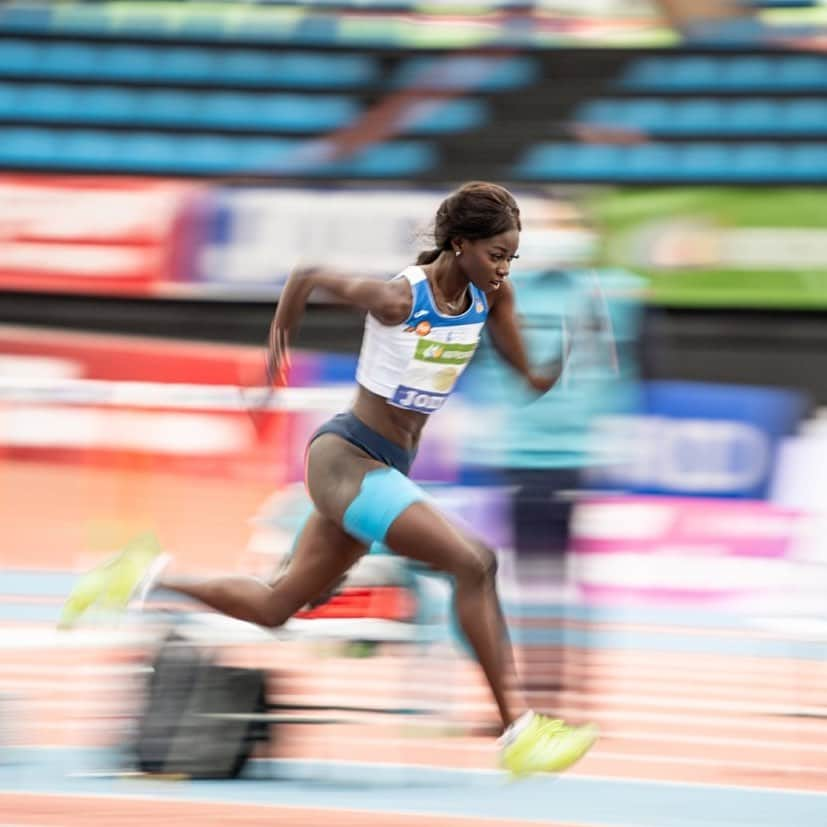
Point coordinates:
pixel 384 495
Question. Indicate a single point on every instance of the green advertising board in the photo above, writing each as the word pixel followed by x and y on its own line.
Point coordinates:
pixel 718 246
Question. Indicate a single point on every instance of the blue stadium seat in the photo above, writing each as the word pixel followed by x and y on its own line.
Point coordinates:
pixel 806 163
pixel 541 160
pixel 689 162
pixel 435 116
pixel 804 73
pixel 658 116
pixel 189 154
pixel 166 107
pixel 19 57
pixel 209 154
pixel 600 111
pixel 759 162
pixel 245 67
pixel 106 104
pixel 46 103
pixel 228 110
pixel 9 107
pixel 701 161
pixel 25 148
pixel 127 62
pixel 646 162
pixel 68 60
pixel 537 161
pixel 397 159
pixel 54 103
pixel 697 116
pixel 644 73
pixel 653 114
pixel 749 117
pixel 592 162
pixel 184 64
pixel 295 69
pixel 279 113
pixel 172 108
pixel 805 116
pixel 757 117
pixel 179 64
pixel 473 73
pixel 729 73
pixel 89 149
pixel 262 155
pixel 746 73
pixel 24 18
pixel 689 73
pixel 671 73
pixel 569 161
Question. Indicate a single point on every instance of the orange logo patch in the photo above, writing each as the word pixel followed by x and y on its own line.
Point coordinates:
pixel 423 328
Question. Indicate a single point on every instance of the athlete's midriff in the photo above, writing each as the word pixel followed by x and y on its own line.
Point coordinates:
pixel 400 426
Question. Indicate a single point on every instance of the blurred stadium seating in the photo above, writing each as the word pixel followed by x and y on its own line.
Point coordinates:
pixel 156 89
pixel 54 89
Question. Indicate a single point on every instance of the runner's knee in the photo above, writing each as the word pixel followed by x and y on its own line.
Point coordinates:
pixel 272 617
pixel 277 610
pixel 478 564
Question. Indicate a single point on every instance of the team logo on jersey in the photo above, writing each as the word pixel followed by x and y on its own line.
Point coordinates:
pixel 423 328
pixel 439 352
pixel 479 308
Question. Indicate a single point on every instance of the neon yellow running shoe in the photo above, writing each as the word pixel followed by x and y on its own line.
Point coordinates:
pixel 113 583
pixel 546 745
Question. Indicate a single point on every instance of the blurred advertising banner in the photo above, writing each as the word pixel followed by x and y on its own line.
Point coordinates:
pixel 254 237
pixel 698 439
pixel 685 551
pixel 44 352
pixel 720 247
pixel 132 403
pixel 95 235
pixel 140 237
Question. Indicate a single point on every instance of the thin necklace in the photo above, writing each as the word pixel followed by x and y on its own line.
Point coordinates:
pixel 436 290
pixel 457 303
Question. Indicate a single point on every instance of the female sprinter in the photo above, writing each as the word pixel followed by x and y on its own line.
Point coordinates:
pixel 421 329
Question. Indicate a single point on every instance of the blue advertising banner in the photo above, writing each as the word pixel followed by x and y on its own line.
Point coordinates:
pixel 701 439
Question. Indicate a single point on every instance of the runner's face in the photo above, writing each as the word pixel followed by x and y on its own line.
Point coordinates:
pixel 487 261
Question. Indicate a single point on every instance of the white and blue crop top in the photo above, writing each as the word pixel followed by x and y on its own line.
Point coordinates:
pixel 415 364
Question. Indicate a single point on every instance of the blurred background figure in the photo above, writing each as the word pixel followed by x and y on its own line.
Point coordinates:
pixel 542 446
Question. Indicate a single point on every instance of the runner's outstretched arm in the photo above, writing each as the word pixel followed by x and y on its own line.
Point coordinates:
pixel 388 301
